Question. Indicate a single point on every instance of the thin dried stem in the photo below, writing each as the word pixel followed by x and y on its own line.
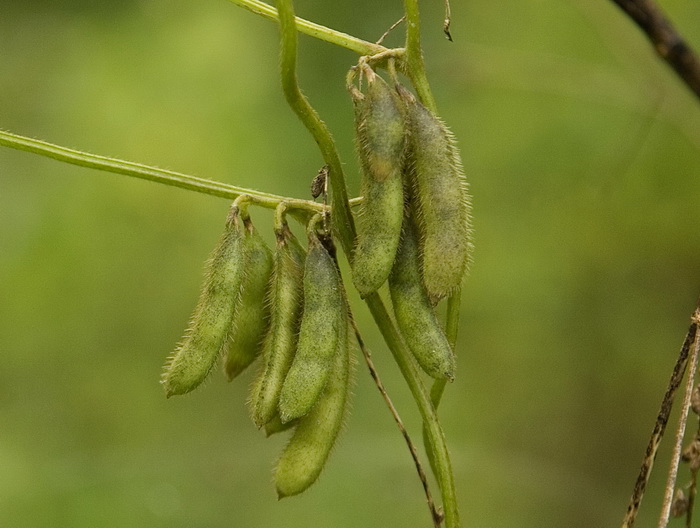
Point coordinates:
pixel 434 513
pixel 392 28
pixel 692 491
pixel 448 20
pixel 680 433
pixel 660 425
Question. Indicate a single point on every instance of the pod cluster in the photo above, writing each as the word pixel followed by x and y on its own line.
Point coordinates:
pixel 413 226
pixel 287 307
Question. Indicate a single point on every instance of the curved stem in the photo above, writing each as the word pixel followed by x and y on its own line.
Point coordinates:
pixel 145 172
pixel 342 218
pixel 436 437
pixel 331 36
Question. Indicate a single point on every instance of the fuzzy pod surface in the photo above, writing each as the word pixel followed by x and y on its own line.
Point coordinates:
pixel 251 314
pixel 442 203
pixel 211 322
pixel 414 311
pixel 309 447
pixel 318 335
pixel 285 298
pixel 380 132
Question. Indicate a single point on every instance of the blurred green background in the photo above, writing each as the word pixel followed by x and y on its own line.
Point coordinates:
pixel 583 153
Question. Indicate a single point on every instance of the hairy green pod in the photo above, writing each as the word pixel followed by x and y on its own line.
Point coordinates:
pixel 305 456
pixel 210 324
pixel 414 312
pixel 441 198
pixel 381 143
pixel 318 334
pixel 251 315
pixel 285 301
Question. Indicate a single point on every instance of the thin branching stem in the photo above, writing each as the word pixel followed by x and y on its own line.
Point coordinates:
pixel 434 513
pixel 326 34
pixel 145 172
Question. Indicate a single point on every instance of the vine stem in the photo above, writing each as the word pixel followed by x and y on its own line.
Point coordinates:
pixel 342 218
pixel 329 35
pixel 414 64
pixel 154 174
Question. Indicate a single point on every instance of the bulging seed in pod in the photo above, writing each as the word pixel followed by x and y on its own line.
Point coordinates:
pixel 441 200
pixel 414 312
pixel 204 340
pixel 279 345
pixel 318 334
pixel 381 144
pixel 251 314
pixel 307 452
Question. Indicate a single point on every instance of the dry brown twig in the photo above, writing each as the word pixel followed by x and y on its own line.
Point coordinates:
pixel 691 340
pixel 667 42
pixel 680 433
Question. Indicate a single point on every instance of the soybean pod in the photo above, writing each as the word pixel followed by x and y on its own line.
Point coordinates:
pixel 210 324
pixel 279 345
pixel 318 334
pixel 440 196
pixel 414 312
pixel 307 452
pixel 251 315
pixel 380 133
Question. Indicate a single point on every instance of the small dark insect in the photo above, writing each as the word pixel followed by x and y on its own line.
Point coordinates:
pixel 319 183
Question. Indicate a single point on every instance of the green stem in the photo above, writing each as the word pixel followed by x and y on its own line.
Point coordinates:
pixel 436 437
pixel 414 65
pixel 331 36
pixel 144 172
pixel 342 217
